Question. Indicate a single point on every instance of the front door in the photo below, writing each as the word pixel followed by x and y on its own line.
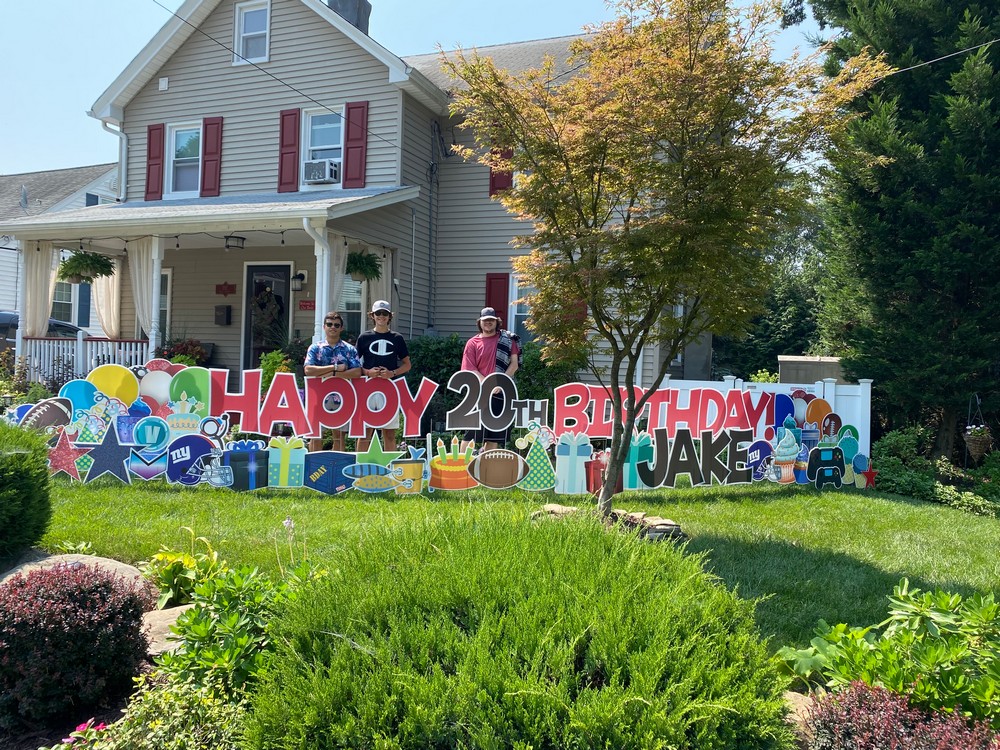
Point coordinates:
pixel 266 323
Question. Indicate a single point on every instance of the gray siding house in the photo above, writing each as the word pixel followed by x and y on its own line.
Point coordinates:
pixel 262 142
pixel 36 193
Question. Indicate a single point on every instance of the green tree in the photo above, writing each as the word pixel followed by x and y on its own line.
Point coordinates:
pixel 912 292
pixel 788 323
pixel 653 175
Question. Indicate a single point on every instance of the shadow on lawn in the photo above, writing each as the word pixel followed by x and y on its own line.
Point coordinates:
pixel 800 586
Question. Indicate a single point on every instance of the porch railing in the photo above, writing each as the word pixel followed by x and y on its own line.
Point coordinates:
pixel 64 359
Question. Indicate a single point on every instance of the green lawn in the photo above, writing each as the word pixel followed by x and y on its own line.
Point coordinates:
pixel 805 554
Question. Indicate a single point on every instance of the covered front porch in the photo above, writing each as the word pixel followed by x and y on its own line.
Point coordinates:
pixel 242 275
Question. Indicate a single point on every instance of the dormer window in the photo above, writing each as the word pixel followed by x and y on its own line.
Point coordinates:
pixel 252 24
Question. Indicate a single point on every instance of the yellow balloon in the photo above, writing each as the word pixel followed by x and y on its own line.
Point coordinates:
pixel 115 381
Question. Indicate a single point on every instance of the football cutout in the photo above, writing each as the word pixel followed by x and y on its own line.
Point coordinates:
pixel 498 469
pixel 52 412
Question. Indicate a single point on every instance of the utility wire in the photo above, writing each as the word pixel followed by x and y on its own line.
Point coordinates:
pixel 268 73
pixel 943 57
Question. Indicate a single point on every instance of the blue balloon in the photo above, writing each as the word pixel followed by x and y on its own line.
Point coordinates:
pixel 80 393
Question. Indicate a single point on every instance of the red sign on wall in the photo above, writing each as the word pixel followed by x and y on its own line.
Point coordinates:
pixel 307 304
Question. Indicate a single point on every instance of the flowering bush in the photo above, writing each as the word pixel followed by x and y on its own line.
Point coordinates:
pixel 861 717
pixel 69 637
pixel 85 737
pixel 978 430
pixel 183 348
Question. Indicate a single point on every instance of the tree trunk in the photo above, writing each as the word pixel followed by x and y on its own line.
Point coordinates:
pixel 944 443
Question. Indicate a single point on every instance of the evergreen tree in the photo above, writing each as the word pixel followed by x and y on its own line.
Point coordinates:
pixel 911 295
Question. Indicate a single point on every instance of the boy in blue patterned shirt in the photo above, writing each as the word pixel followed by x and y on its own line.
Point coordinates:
pixel 332 358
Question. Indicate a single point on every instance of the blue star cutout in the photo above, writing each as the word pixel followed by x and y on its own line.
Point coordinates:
pixel 110 457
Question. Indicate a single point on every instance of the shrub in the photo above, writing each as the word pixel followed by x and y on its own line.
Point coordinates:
pixel 537 378
pixel 174 716
pixel 25 507
pixel 224 639
pixel 436 358
pixel 69 637
pixel 270 365
pixel 941 650
pixel 189 348
pixel 176 574
pixel 861 717
pixel 501 634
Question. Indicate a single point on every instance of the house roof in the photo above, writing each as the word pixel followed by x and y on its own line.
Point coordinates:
pixel 247 212
pixel 110 106
pixel 515 58
pixel 45 189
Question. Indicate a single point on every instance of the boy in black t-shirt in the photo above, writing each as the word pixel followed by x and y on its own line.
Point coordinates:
pixel 383 355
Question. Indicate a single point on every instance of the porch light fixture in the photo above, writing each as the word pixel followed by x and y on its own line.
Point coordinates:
pixel 235 242
pixel 297 281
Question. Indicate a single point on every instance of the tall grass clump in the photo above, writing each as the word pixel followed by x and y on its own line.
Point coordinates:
pixel 489 632
pixel 25 507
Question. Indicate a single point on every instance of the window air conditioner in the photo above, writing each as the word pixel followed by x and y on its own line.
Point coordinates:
pixel 322 170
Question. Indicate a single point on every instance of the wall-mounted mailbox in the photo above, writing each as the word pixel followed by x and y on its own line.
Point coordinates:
pixel 223 315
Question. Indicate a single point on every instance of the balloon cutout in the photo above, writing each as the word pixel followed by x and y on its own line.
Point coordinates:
pixel 115 381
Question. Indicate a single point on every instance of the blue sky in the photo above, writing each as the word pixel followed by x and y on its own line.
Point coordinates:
pixel 60 56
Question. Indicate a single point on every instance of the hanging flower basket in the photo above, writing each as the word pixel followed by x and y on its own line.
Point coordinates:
pixel 978 440
pixel 363 267
pixel 83 266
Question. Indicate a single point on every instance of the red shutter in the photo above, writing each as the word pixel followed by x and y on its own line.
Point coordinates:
pixel 501 180
pixel 211 157
pixel 154 162
pixel 498 293
pixel 288 151
pixel 355 144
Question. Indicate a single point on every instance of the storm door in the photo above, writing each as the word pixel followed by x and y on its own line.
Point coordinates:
pixel 266 322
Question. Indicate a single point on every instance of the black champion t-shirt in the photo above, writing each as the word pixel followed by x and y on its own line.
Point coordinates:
pixel 381 349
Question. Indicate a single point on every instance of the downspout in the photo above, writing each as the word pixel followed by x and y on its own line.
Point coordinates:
pixel 122 159
pixel 322 251
pixel 413 260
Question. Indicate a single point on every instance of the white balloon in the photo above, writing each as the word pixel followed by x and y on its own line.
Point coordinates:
pixel 156 385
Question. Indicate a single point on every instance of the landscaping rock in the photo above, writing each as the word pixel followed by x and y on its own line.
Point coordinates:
pixel 652 528
pixel 36 562
pixel 158 624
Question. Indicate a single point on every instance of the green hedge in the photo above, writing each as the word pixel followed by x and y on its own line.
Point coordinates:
pixel 497 633
pixel 25 507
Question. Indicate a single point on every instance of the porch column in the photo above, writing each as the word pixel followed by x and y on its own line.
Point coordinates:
pixel 154 326
pixel 321 248
pixel 22 290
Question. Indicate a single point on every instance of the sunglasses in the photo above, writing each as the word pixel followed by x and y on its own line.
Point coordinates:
pixel 381 314
pixel 333 325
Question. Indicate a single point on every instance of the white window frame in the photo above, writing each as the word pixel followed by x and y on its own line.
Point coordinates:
pixel 172 131
pixel 240 10
pixel 164 313
pixel 72 303
pixel 307 147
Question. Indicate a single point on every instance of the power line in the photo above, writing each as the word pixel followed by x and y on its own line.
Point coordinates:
pixel 268 73
pixel 943 57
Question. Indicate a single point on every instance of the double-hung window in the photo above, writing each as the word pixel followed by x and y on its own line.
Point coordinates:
pixel 62 302
pixel 183 160
pixel 324 148
pixel 252 23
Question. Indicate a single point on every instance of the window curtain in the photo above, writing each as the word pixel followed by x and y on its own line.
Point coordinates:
pixel 108 299
pixel 40 283
pixel 338 269
pixel 140 273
